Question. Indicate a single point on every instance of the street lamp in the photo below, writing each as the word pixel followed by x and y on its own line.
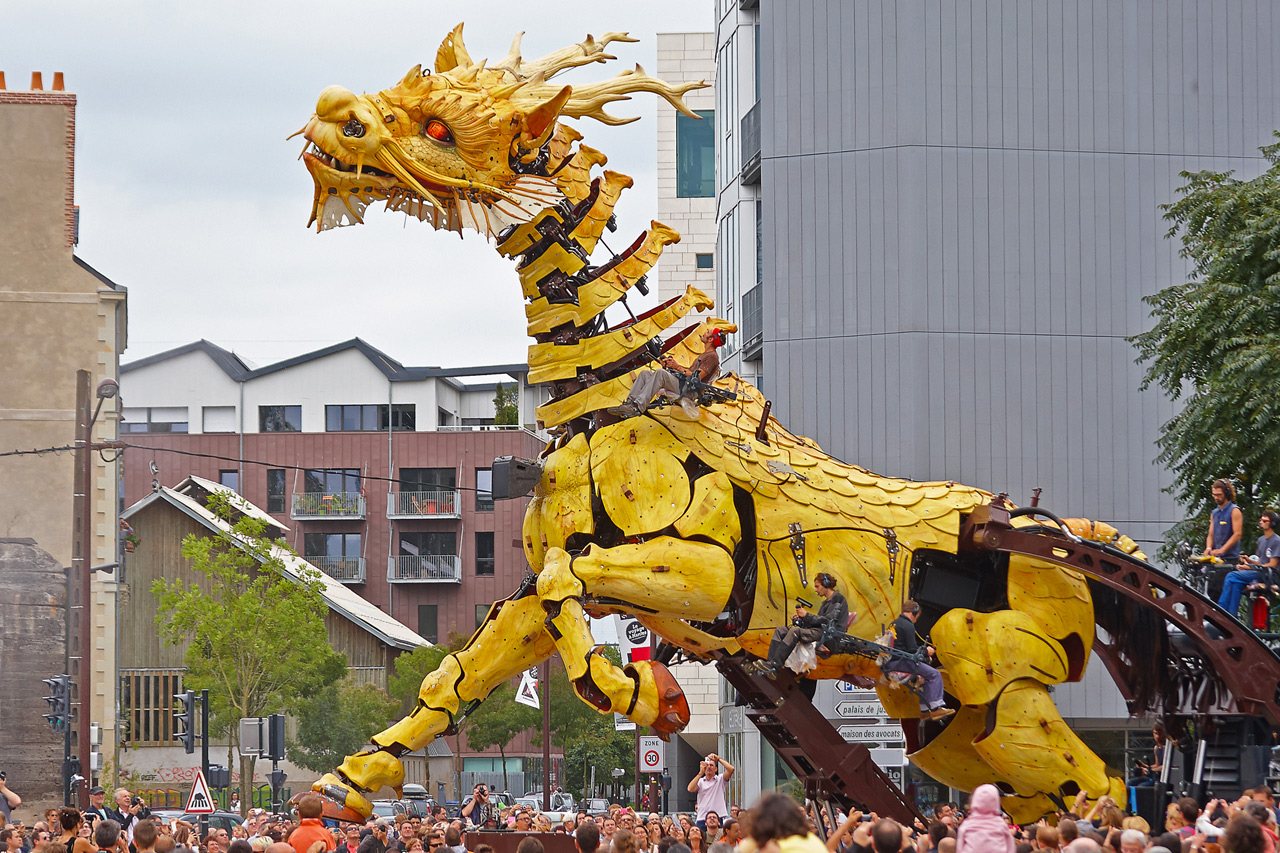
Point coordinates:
pixel 80 578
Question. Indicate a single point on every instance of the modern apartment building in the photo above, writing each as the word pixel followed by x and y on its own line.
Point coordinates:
pixel 379 472
pixel 63 326
pixel 937 222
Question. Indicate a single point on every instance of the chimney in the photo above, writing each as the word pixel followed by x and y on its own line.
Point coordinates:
pixel 57 81
pixel 37 81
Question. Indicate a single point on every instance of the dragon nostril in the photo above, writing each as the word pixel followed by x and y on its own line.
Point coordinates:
pixel 353 128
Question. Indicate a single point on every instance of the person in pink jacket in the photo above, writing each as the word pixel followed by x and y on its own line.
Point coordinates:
pixel 984 830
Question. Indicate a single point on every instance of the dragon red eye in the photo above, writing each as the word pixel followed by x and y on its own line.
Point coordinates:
pixel 438 131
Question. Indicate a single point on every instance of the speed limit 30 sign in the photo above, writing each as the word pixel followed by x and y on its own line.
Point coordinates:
pixel 651 754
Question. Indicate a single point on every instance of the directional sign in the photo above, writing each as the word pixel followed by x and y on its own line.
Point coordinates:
pixel 200 801
pixel 651 754
pixel 622 724
pixel 851 689
pixel 527 692
pixel 874 734
pixel 849 708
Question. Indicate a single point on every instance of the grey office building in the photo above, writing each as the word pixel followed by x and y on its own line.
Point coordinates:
pixel 937 221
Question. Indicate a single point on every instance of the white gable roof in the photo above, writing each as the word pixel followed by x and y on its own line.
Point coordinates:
pixel 339 598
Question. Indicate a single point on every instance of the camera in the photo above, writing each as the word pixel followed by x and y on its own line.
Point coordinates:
pixel 3 776
pixel 136 800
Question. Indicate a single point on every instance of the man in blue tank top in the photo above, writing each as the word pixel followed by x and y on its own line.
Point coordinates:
pixel 1226 528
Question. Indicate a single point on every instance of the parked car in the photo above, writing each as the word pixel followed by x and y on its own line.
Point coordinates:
pixel 417 802
pixel 596 805
pixel 388 808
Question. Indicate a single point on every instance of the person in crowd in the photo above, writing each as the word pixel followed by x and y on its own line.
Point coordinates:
pixel 1149 773
pixel 709 785
pixel 776 821
pixel 479 809
pixel 712 830
pixel 720 847
pixel 239 845
pixel 587 838
pixel 9 799
pixel 1047 838
pixel 310 828
pixel 608 827
pixel 984 830
pixel 904 639
pixel 1266 557
pixel 678 834
pixel 1244 835
pixel 654 833
pixel 694 840
pixel 97 804
pixel 126 811
pixel 624 841
pixel 453 840
pixel 731 832
pixel 145 835
pixel 70 821
pixel 376 840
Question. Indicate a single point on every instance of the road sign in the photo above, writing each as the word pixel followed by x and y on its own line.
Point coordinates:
pixel 200 801
pixel 651 754
pixel 527 692
pixel 848 708
pixel 622 724
pixel 883 734
pixel 846 688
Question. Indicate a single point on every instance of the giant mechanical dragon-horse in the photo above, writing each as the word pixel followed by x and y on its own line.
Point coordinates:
pixel 709 530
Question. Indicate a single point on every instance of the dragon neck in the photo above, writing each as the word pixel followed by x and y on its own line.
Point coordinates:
pixel 588 362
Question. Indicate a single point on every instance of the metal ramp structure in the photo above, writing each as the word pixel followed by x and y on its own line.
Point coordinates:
pixel 1206 663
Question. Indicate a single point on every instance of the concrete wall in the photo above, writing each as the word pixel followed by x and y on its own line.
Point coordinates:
pixel 56 317
pixel 961 215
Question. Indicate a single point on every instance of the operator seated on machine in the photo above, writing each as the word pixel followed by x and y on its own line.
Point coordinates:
pixel 904 639
pixel 807 627
pixel 674 382
pixel 1253 569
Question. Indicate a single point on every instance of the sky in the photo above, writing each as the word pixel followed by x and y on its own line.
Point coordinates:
pixel 191 198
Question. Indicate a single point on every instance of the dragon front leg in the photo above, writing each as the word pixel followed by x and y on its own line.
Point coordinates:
pixel 664 577
pixel 511 639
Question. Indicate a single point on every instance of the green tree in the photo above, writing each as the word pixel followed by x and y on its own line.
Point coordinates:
pixel 498 720
pixel 255 636
pixel 506 404
pixel 587 737
pixel 1215 344
pixel 337 722
pixel 409 670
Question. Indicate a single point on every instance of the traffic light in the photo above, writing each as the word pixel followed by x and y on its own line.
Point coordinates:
pixel 184 721
pixel 59 700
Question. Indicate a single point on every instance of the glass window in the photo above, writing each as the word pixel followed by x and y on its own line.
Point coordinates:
pixel 484 552
pixel 482 610
pixel 275 489
pixel 427 624
pixel 428 479
pixel 368 418
pixel 695 155
pixel 157 419
pixel 432 543
pixel 331 480
pixel 705 260
pixel 403 417
pixel 338 545
pixel 280 418
pixel 484 490
pixel 230 479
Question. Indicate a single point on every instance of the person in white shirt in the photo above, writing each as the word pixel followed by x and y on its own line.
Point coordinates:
pixel 709 785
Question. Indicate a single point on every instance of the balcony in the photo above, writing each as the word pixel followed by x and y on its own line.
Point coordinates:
pixel 750 136
pixel 327 505
pixel 752 323
pixel 345 569
pixel 425 568
pixel 436 504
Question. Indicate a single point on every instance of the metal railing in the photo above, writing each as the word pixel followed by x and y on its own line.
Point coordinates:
pixel 752 323
pixel 327 505
pixel 434 504
pixel 750 139
pixel 345 569
pixel 430 568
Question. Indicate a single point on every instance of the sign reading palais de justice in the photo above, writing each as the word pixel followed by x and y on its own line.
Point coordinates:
pixel 860 718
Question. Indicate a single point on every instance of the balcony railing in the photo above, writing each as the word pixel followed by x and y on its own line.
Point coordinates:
pixel 345 569
pixel 752 323
pixel 425 568
pixel 435 504
pixel 750 136
pixel 327 505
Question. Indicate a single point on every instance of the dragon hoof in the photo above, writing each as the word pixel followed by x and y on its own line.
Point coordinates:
pixel 673 707
pixel 341 801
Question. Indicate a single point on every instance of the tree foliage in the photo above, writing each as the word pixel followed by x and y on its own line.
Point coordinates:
pixel 506 404
pixel 1215 344
pixel 337 722
pixel 587 737
pixel 497 722
pixel 255 636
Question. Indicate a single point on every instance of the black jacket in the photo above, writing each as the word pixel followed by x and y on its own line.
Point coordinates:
pixel 834 610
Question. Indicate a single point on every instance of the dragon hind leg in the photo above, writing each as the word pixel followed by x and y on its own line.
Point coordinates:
pixel 511 639
pixel 666 576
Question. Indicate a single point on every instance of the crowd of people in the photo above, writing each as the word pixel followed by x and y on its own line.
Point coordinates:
pixel 775 824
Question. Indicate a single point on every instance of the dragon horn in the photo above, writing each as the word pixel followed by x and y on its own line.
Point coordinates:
pixel 452 52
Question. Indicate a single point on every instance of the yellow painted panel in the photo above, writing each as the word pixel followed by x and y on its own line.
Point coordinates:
pixel 687 636
pixel 667 576
pixel 1035 749
pixel 711 512
pixel 574 180
pixel 1057 598
pixel 983 652
pixel 527 234
pixel 593 224
pixel 561 504
pixel 553 361
pixel 950 757
pixel 555 259
pixel 637 471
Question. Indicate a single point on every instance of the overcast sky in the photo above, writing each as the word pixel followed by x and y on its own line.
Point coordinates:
pixel 190 196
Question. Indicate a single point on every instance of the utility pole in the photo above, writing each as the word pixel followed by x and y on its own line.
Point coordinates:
pixel 545 667
pixel 78 641
pixel 204 754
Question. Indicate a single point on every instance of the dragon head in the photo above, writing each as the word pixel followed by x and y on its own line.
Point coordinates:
pixel 464 146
